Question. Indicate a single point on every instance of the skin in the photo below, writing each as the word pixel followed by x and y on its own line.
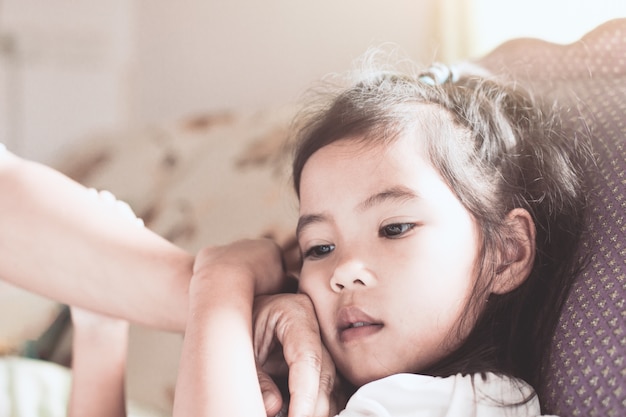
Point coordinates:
pixel 394 255
pixel 62 242
pixel 97 384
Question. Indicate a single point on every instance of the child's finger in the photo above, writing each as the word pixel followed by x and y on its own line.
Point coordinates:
pixel 311 373
pixel 326 386
pixel 304 384
pixel 272 398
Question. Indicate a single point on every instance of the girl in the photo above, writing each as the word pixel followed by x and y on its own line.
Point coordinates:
pixel 439 217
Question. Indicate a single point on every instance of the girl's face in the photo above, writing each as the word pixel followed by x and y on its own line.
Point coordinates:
pixel 389 257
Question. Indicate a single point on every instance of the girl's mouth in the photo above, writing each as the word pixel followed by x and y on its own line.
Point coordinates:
pixel 353 324
pixel 359 330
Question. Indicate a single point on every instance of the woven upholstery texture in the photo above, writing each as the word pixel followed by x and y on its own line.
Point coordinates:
pixel 586 375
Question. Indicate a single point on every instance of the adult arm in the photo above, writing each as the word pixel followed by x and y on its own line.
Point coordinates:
pixel 59 241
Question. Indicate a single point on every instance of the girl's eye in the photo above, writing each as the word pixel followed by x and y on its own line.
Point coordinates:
pixel 395 230
pixel 319 251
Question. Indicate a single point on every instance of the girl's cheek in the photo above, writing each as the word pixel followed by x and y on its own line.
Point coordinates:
pixel 311 281
pixel 304 279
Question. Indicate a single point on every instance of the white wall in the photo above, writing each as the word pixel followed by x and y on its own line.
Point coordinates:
pixel 63 72
pixel 79 68
pixel 198 55
pixel 475 27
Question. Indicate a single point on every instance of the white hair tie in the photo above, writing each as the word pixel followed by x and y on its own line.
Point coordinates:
pixel 438 74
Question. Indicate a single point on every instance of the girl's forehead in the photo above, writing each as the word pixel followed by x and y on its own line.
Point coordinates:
pixel 362 159
pixel 362 143
pixel 413 139
pixel 421 123
pixel 347 151
pixel 347 178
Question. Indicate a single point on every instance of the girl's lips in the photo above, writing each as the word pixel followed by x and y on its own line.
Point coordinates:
pixel 351 334
pixel 354 324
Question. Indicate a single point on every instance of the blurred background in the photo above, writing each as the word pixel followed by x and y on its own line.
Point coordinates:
pixel 69 69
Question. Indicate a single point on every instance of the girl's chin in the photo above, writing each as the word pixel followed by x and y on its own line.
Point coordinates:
pixel 360 378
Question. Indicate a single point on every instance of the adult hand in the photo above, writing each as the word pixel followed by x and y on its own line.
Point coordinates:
pixel 289 320
pixel 258 261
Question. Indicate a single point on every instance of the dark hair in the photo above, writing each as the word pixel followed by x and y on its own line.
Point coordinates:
pixel 514 155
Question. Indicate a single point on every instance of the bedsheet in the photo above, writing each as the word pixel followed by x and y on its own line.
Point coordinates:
pixel 36 388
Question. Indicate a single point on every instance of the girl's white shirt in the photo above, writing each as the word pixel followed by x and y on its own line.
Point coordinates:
pixel 411 395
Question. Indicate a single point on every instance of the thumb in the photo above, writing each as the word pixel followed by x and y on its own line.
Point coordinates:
pixel 272 398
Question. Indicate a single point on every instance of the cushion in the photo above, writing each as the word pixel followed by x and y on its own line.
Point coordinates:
pixel 209 179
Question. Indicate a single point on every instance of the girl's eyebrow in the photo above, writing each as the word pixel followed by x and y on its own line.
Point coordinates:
pixel 397 193
pixel 308 219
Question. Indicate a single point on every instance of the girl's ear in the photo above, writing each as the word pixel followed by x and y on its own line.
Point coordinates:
pixel 517 258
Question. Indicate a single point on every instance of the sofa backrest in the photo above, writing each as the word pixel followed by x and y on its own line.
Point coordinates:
pixel 586 375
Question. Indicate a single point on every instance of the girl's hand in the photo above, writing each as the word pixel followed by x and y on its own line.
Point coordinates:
pixel 217 367
pixel 99 348
pixel 86 321
pixel 289 320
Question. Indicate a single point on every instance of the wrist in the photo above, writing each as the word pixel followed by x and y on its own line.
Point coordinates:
pixel 257 262
pixel 221 288
pixel 223 279
pixel 104 338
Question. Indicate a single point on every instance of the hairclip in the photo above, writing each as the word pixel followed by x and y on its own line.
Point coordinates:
pixel 438 74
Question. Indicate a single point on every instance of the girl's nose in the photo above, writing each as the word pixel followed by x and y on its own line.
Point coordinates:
pixel 351 275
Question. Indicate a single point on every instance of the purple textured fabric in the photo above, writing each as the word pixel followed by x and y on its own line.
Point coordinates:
pixel 586 375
